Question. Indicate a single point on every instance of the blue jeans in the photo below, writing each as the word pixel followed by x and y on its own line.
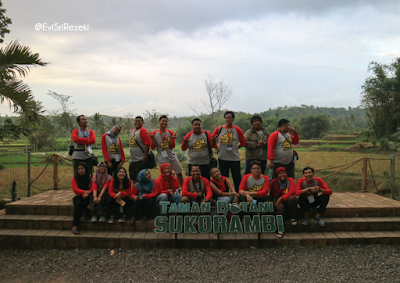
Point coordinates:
pixel 263 165
pixel 164 197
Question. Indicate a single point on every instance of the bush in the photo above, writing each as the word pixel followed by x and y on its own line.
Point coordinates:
pixel 2 167
pixel 60 146
pixel 181 156
pixel 374 142
pixel 384 143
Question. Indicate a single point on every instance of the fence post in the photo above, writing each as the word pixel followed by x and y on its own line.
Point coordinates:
pixel 364 175
pixel 55 171
pixel 393 167
pixel 29 174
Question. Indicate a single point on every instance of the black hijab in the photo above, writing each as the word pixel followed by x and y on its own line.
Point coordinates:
pixel 83 181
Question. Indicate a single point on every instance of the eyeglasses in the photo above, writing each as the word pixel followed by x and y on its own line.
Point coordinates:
pixel 256 168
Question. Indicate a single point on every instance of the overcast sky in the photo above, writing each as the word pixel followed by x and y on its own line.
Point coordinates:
pixel 140 55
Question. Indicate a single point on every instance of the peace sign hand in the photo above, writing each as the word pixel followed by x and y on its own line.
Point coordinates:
pixel 176 134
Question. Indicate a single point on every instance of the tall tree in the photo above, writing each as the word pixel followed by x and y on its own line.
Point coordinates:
pixel 15 60
pixel 97 123
pixel 63 116
pixel 381 97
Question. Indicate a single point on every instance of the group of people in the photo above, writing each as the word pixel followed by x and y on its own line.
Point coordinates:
pixel 110 192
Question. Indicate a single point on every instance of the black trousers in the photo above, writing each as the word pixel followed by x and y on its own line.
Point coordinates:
pixel 224 167
pixel 89 163
pixel 289 169
pixel 204 169
pixel 321 201
pixel 112 171
pixel 147 204
pixel 113 206
pixel 290 206
pixel 80 206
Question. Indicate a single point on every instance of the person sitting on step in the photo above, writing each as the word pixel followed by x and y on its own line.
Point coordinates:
pixel 169 184
pixel 283 194
pixel 119 191
pixel 144 194
pixel 81 187
pixel 222 187
pixel 100 183
pixel 254 186
pixel 196 188
pixel 313 192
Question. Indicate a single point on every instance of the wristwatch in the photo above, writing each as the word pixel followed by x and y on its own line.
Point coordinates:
pixel 308 188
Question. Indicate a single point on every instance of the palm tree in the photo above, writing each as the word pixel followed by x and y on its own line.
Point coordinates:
pixel 98 123
pixel 15 60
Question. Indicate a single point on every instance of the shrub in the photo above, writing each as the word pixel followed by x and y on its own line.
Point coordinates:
pixel 181 156
pixel 374 142
pixel 384 143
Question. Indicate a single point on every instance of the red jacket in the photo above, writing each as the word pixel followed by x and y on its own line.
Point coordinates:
pixel 272 142
pixel 165 186
pixel 169 131
pixel 76 189
pixel 124 193
pixel 264 190
pixel 88 141
pixel 322 184
pixel 186 193
pixel 105 150
pixel 95 187
pixel 276 192
pixel 156 191
pixel 239 131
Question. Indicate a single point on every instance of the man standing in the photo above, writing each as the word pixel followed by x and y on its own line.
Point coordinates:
pixel 254 186
pixel 139 144
pixel 198 142
pixel 165 141
pixel 83 138
pixel 280 151
pixel 228 148
pixel 256 144
pixel 313 192
pixel 196 188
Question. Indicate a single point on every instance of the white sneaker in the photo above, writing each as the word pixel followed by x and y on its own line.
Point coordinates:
pixel 94 218
pixel 111 220
pixel 102 219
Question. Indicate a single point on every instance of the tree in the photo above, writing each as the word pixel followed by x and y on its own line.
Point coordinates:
pixel 218 93
pixel 313 126
pixel 97 124
pixel 381 97
pixel 151 118
pixel 15 60
pixel 128 123
pixel 4 22
pixel 63 116
pixel 9 131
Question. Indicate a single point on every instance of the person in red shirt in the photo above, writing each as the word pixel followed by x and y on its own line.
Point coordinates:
pixel 139 144
pixel 112 149
pixel 169 185
pixel 279 149
pixel 100 183
pixel 83 138
pixel 283 194
pixel 144 194
pixel 313 192
pixel 254 186
pixel 230 139
pixel 81 187
pixel 119 191
pixel 165 141
pixel 196 188
pixel 222 187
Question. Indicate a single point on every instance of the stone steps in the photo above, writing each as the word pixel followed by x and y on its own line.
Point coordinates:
pixel 52 222
pixel 16 208
pixel 64 239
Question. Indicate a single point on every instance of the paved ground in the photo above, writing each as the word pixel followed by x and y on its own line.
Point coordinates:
pixel 354 263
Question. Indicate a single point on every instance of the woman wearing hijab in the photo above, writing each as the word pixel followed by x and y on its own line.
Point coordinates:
pixel 144 193
pixel 100 183
pixel 81 187
pixel 169 185
pixel 283 194
pixel 112 149
pixel 119 190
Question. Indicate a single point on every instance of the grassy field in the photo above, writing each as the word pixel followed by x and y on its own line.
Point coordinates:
pixel 348 180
